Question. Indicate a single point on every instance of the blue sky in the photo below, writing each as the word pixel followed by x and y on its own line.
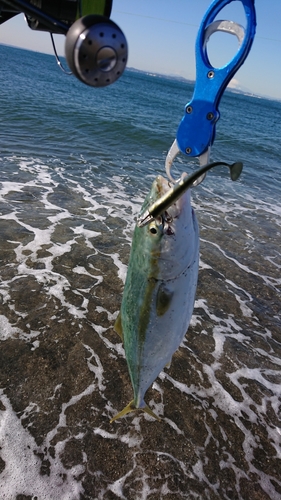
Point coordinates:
pixel 161 35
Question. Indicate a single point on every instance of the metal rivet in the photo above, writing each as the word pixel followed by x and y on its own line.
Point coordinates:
pixel 189 109
pixel 188 151
pixel 210 116
pixel 211 74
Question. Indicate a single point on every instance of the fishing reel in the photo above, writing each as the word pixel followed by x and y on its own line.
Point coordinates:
pixel 96 49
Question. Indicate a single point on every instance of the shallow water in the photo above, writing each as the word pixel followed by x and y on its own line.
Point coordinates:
pixel 75 167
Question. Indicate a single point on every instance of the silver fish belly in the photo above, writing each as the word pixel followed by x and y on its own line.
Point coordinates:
pixel 159 292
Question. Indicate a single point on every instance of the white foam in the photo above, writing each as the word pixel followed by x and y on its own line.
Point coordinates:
pixel 6 329
pixel 207 389
pixel 21 474
pixel 86 233
pixel 268 280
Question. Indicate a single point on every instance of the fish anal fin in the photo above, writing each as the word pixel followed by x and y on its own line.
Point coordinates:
pixel 131 407
pixel 118 326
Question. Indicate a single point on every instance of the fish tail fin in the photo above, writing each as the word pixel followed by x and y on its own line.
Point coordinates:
pixel 131 407
pixel 147 410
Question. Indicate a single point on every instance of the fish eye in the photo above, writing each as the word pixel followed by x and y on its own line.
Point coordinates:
pixel 153 227
pixel 156 227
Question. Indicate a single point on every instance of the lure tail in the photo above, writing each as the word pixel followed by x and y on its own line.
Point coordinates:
pixel 132 407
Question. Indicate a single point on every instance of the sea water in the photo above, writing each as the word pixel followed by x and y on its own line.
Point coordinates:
pixel 76 164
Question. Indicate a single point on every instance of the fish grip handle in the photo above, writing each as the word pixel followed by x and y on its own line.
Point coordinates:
pixel 196 131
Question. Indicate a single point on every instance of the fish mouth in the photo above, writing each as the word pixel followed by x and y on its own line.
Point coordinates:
pixel 163 185
pixel 159 188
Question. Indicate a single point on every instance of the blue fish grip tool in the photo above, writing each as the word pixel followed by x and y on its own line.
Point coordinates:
pixel 196 131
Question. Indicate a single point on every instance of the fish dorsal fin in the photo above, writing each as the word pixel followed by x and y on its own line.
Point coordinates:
pixel 118 326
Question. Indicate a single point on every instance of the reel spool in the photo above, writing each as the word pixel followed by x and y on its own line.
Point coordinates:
pixel 96 50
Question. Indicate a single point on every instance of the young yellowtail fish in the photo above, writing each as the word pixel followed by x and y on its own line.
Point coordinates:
pixel 159 291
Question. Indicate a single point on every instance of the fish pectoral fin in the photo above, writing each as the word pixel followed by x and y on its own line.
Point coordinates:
pixel 118 326
pixel 163 299
pixel 131 407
